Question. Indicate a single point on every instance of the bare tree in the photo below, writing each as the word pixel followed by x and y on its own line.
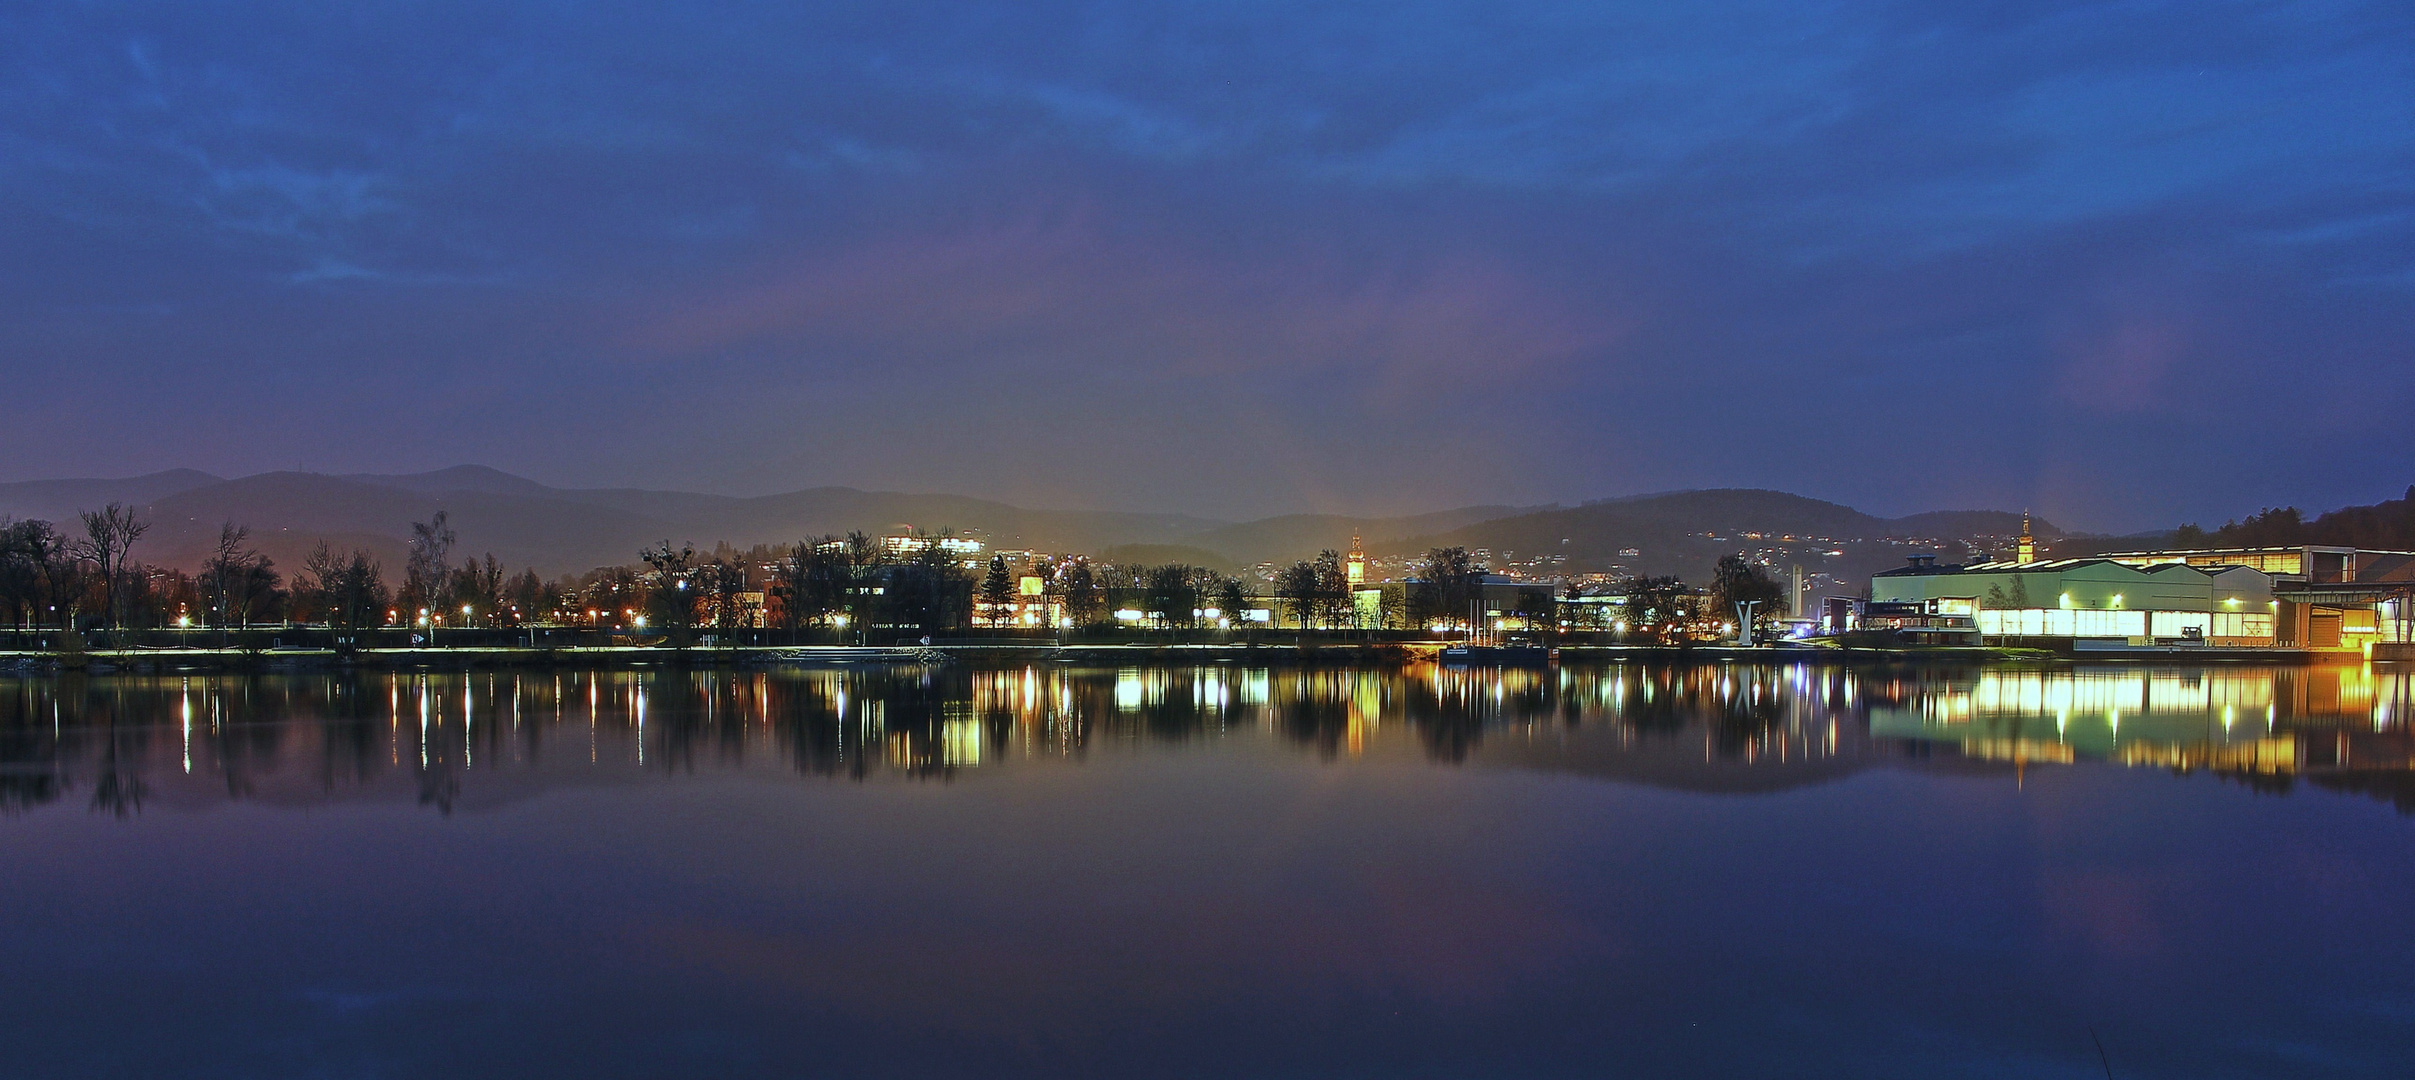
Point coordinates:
pixel 109 533
pixel 526 599
pixel 1316 590
pixel 478 590
pixel 674 593
pixel 1232 602
pixel 1449 586
pixel 235 578
pixel 1084 604
pixel 37 569
pixel 426 573
pixel 349 593
pixel 722 583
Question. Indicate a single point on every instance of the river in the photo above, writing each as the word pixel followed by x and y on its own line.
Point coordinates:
pixel 1716 870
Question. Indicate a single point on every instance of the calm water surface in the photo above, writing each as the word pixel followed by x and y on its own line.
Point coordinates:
pixel 1621 871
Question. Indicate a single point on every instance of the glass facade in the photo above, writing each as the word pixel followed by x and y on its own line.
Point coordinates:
pixel 2049 622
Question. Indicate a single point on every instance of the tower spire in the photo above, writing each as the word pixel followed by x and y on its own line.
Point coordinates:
pixel 2028 549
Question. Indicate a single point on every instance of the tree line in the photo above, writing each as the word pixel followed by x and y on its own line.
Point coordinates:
pixel 2388 525
pixel 866 587
pixel 88 578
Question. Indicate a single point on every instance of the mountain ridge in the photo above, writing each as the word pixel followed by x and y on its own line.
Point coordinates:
pixel 570 530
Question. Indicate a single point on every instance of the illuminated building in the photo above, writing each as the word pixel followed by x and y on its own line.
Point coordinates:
pixel 2091 600
pixel 2325 597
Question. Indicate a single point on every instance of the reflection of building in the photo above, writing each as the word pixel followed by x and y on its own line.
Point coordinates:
pixel 2164 603
pixel 2243 720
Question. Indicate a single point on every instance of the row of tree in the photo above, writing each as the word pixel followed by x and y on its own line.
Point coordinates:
pixel 44 571
pixel 49 578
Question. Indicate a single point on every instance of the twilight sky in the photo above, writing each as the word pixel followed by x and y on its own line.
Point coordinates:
pixel 2122 263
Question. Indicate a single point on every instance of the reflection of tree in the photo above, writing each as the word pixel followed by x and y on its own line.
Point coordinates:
pixel 1449 713
pixel 23 788
pixel 1743 717
pixel 1655 701
pixel 119 787
pixel 242 732
pixel 348 734
pixel 29 754
pixel 805 724
pixel 2396 787
pixel 1314 721
pixel 2262 783
pixel 438 787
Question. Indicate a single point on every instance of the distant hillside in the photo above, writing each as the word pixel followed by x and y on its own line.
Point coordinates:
pixel 2387 526
pixel 61 500
pixel 570 530
pixel 1685 533
pixel 567 530
pixel 1296 536
pixel 556 530
pixel 1161 554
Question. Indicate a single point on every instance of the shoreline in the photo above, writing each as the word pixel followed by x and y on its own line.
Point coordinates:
pixel 1159 654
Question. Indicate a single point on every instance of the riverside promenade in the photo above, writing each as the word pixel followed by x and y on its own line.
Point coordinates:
pixel 290 651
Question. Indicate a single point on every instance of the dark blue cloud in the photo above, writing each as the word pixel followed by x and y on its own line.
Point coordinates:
pixel 2121 262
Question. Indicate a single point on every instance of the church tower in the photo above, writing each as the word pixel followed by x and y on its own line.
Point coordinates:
pixel 2028 549
pixel 1356 568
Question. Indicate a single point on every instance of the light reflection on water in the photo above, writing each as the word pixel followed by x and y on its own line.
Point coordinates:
pixel 121 738
pixel 1656 870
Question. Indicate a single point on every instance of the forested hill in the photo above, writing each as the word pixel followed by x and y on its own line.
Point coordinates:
pixel 564 530
pixel 2388 526
pixel 1685 532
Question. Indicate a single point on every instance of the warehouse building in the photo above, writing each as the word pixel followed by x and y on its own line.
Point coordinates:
pixel 2090 599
